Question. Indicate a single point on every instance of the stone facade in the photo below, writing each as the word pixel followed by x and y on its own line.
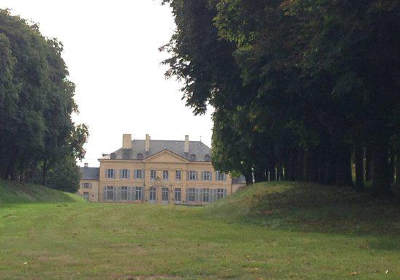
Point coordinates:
pixel 157 171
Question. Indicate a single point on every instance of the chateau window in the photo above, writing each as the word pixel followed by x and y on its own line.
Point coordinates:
pixel 86 195
pixel 138 193
pixel 191 195
pixel 124 193
pixel 220 176
pixel 206 195
pixel 206 176
pixel 138 174
pixel 110 193
pixel 220 193
pixel 125 155
pixel 207 158
pixel 124 173
pixel 165 175
pixel 193 157
pixel 178 175
pixel 153 193
pixel 165 194
pixel 139 156
pixel 86 185
pixel 178 195
pixel 193 175
pixel 110 173
pixel 153 174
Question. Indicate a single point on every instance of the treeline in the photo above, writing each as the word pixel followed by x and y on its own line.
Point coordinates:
pixel 302 90
pixel 36 103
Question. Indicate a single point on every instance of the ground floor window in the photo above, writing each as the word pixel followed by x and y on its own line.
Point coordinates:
pixel 178 195
pixel 86 195
pixel 138 193
pixel 165 194
pixel 206 195
pixel 124 193
pixel 191 195
pixel 153 193
pixel 110 193
pixel 220 193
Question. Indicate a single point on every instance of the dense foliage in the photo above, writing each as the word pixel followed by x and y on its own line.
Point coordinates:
pixel 36 103
pixel 301 89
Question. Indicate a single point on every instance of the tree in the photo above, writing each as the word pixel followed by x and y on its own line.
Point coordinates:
pixel 36 102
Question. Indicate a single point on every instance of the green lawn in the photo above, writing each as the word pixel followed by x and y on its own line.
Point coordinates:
pixel 271 231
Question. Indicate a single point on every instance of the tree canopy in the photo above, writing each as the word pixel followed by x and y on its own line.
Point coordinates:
pixel 301 89
pixel 36 102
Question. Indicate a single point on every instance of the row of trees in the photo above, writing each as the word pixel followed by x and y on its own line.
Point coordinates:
pixel 36 103
pixel 301 89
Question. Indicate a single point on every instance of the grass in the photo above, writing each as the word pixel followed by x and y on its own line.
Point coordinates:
pixel 12 192
pixel 270 231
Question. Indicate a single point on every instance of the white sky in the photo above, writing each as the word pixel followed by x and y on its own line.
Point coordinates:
pixel 111 50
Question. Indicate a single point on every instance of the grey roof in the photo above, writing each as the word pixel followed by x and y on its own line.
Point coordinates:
pixel 197 148
pixel 239 180
pixel 90 173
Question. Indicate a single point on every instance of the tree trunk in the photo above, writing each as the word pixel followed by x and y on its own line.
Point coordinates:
pixel 272 172
pixel 368 164
pixel 359 162
pixel 343 166
pixel 380 169
pixel 279 172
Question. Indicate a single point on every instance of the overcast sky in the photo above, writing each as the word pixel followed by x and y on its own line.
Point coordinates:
pixel 111 50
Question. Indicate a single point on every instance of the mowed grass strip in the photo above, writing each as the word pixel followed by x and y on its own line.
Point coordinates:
pixel 127 241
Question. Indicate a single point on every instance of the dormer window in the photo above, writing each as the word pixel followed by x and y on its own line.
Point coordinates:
pixel 125 155
pixel 113 156
pixel 139 156
pixel 192 157
pixel 207 158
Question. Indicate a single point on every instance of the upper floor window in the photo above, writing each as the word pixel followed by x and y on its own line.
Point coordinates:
pixel 110 173
pixel 193 157
pixel 193 175
pixel 165 175
pixel 178 175
pixel 87 185
pixel 153 174
pixel 139 156
pixel 207 158
pixel 206 176
pixel 124 173
pixel 138 174
pixel 220 176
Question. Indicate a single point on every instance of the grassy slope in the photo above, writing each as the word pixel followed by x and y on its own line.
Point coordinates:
pixel 243 237
pixel 310 208
pixel 12 192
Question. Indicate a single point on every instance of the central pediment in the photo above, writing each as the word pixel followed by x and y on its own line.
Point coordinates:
pixel 166 156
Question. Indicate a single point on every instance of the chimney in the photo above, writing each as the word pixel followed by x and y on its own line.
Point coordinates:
pixel 147 143
pixel 86 165
pixel 186 144
pixel 127 141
